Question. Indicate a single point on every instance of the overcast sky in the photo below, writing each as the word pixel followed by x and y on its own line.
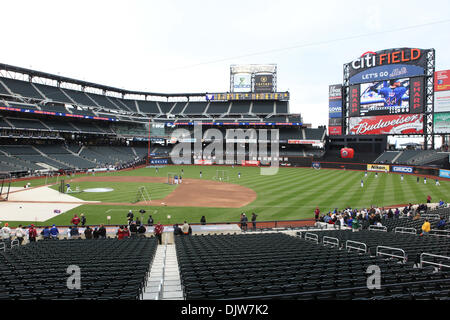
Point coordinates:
pixel 188 46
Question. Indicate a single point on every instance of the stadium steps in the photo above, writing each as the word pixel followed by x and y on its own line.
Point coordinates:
pixel 50 158
pixel 303 134
pixel 396 157
pixel 164 281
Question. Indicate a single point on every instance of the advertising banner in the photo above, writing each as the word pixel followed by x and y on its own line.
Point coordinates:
pixel 402 169
pixel 263 83
pixel 335 101
pixel 313 142
pixel 442 80
pixel 159 161
pixel 442 101
pixel 203 162
pixel 251 163
pixel 442 122
pixel 444 173
pixel 388 64
pixel 391 124
pixel 378 167
pixel 355 92
pixel 242 82
pixel 335 131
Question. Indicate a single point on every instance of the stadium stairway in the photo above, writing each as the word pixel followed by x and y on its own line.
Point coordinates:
pixel 164 281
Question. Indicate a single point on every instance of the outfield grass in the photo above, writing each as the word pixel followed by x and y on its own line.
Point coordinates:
pixel 292 194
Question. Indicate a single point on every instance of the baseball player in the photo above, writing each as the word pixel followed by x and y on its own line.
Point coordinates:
pixel 437 182
pixel 239 175
pixel 425 180
pixel 68 188
pixel 200 174
pixel 401 177
pixel 362 183
pixel 391 93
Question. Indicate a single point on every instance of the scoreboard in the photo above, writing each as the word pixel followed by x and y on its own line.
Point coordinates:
pixel 278 96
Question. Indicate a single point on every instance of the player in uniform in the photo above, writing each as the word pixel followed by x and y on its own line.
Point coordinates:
pixel 392 93
pixel 239 175
pixel 365 174
pixel 175 179
pixel 362 183
pixel 68 188
pixel 401 177
pixel 425 180
pixel 376 174
pixel 437 182
pixel 200 174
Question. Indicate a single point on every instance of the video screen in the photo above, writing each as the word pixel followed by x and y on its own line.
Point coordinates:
pixel 385 97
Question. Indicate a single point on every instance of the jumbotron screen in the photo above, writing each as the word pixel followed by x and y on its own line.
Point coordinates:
pixel 384 97
pixel 387 97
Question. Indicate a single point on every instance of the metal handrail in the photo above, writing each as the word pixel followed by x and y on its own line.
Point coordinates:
pixel 379 253
pixel 330 241
pixel 347 246
pixel 430 216
pixel 14 243
pixel 433 263
pixel 405 230
pixel 378 228
pixel 312 236
pixel 446 233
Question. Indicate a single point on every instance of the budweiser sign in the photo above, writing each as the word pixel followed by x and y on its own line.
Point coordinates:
pixel 391 124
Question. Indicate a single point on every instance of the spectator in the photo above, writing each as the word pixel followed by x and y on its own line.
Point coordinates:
pixel 317 213
pixel 83 220
pixel 75 220
pixel 141 231
pixel 441 224
pixel 102 232
pixel 441 203
pixel 150 221
pixel 54 232
pixel 133 230
pixel 126 232
pixel 428 199
pixel 254 215
pixel 350 222
pixel 74 232
pixel 6 232
pixel 327 218
pixel 185 228
pixel 244 221
pixel 138 222
pixel 45 233
pixel 177 230
pixel 426 227
pixel 203 221
pixel 130 217
pixel 32 233
pixel 158 232
pixel 20 234
pixel 120 233
pixel 95 233
pixel 88 233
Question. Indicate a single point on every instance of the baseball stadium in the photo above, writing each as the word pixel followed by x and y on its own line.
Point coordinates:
pixel 227 195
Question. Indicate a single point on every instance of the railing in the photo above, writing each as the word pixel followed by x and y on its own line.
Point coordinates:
pixel 403 257
pixel 161 284
pixel 15 243
pixel 349 246
pixel 2 246
pixel 440 265
pixel 312 237
pixel 330 241
pixel 430 216
pixel 405 230
pixel 440 233
pixel 378 228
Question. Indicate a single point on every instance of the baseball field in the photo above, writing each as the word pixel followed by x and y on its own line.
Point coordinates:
pixel 291 194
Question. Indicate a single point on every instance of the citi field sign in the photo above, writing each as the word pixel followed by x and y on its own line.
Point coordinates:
pixel 388 64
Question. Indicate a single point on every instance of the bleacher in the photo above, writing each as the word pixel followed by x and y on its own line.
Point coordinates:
pixel 148 107
pixel 314 134
pixel 195 108
pixel 22 88
pixel 278 266
pixel 53 93
pixel 263 107
pixel 110 269
pixel 27 124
